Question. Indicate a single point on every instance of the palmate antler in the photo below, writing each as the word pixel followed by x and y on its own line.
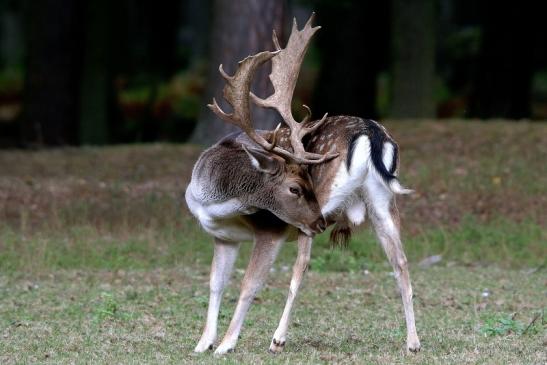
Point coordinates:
pixel 285 69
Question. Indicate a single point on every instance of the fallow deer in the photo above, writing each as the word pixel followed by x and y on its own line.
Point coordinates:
pixel 274 186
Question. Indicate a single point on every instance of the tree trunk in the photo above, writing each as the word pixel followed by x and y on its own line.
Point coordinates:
pixel 502 86
pixel 196 30
pixel 240 28
pixel 353 49
pixel 413 37
pixel 11 40
pixel 53 69
pixel 97 78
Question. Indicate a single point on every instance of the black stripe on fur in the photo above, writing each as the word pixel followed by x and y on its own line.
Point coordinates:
pixel 395 159
pixel 377 138
pixel 351 149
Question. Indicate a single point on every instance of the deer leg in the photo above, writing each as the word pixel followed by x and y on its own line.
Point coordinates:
pixel 299 268
pixel 385 219
pixel 264 253
pixel 223 262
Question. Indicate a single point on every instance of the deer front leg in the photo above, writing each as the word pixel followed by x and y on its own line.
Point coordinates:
pixel 385 219
pixel 299 268
pixel 221 269
pixel 264 253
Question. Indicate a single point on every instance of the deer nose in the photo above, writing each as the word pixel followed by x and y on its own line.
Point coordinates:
pixel 320 224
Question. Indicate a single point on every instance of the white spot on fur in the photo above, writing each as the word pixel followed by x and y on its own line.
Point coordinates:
pixel 387 156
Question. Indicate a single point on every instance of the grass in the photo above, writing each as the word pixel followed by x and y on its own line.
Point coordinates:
pixel 505 243
pixel 101 262
pixel 150 316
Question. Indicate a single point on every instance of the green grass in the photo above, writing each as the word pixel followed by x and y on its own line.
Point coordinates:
pixel 504 243
pixel 101 262
pixel 151 316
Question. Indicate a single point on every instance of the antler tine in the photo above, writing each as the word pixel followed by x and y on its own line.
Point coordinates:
pixel 310 20
pixel 285 68
pixel 276 41
pixel 284 75
pixel 308 114
pixel 317 124
pixel 275 135
pixel 236 93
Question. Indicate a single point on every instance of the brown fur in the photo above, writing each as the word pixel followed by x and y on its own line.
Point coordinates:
pixel 340 235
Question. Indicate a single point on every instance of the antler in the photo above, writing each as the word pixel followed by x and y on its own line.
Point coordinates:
pixel 285 68
pixel 236 93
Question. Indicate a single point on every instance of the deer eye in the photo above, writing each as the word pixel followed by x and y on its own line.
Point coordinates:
pixel 294 190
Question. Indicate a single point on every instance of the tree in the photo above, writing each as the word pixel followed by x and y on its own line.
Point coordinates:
pixel 240 28
pixel 511 38
pixel 53 70
pixel 413 57
pixel 353 44
pixel 97 77
pixel 125 38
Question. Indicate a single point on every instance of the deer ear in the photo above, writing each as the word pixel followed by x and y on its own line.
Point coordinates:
pixel 262 161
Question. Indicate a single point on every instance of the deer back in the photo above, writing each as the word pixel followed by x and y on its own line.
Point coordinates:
pixel 362 145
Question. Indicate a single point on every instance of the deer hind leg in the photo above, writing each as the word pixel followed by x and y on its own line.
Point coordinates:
pixel 264 253
pixel 223 262
pixel 385 219
pixel 299 268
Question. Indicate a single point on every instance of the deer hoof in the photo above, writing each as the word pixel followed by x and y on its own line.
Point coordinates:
pixel 414 346
pixel 203 346
pixel 221 350
pixel 277 346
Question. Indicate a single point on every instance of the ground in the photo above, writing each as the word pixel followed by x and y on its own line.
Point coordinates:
pixel 157 316
pixel 100 261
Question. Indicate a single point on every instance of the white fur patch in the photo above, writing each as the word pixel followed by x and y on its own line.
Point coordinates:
pixel 387 156
pixel 361 157
pixel 254 161
pixel 379 197
pixel 220 219
pixel 347 186
pixel 356 212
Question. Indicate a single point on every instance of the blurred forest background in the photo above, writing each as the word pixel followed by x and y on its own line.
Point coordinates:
pixel 103 72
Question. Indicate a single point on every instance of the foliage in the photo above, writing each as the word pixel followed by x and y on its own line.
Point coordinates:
pixel 11 81
pixel 506 324
pixel 108 308
pixel 181 95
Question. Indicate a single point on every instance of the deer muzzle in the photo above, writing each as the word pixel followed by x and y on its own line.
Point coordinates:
pixel 319 225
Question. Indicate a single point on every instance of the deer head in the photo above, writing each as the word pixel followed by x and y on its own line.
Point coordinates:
pixel 284 171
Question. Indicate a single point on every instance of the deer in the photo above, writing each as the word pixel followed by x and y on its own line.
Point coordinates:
pixel 291 184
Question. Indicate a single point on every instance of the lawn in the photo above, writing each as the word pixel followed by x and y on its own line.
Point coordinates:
pixel 464 315
pixel 100 261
